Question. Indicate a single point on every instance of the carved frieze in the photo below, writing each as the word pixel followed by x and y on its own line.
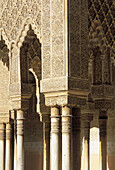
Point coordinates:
pixel 56 84
pixel 102 91
pixel 65 83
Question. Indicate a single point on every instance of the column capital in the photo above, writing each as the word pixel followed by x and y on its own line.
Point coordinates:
pixel 20 114
pixel 20 122
pixel 2 131
pixel 55 124
pixel 8 131
pixel 55 120
pixel 66 111
pixel 66 119
pixel 54 111
pixel 13 114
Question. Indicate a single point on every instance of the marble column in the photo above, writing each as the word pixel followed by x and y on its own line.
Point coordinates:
pixel 86 145
pixel 76 139
pixel 2 146
pixel 86 119
pixel 103 143
pixel 20 140
pixel 15 142
pixel 46 138
pixel 66 138
pixel 8 160
pixel 55 131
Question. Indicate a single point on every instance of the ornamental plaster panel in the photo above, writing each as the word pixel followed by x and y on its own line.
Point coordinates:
pixel 78 39
pixel 102 91
pixel 81 84
pixel 84 40
pixel 15 13
pixel 75 37
pixel 57 38
pixel 56 84
pixel 15 89
pixel 15 66
pixel 46 52
pixel 64 83
pixel 104 104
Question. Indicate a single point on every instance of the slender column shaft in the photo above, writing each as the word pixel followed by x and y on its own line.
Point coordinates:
pixel 15 143
pixel 76 139
pixel 87 118
pixel 103 144
pixel 55 128
pixel 46 135
pixel 8 161
pixel 86 145
pixel 66 138
pixel 2 146
pixel 20 140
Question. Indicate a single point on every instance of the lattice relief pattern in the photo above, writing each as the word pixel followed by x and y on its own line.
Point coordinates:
pixel 103 10
pixel 101 38
pixel 15 13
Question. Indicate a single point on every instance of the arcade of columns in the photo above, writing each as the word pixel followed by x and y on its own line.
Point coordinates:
pixel 66 47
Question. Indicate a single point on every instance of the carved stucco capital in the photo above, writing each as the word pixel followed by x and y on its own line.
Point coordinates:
pixel 63 100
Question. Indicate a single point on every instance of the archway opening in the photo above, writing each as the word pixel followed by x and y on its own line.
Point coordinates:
pixel 30 62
